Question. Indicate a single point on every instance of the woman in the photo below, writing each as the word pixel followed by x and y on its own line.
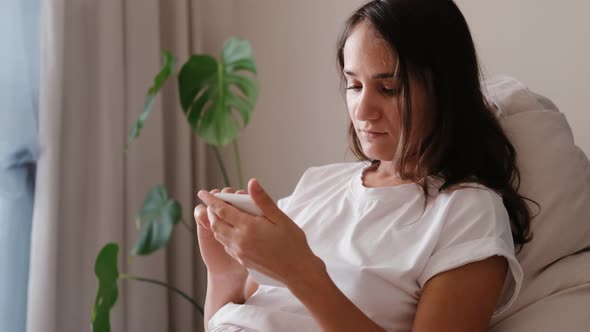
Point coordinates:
pixel 419 235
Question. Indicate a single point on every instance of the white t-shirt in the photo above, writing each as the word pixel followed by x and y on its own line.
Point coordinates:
pixel 380 247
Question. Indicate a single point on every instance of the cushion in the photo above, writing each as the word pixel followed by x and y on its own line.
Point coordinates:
pixel 563 311
pixel 556 174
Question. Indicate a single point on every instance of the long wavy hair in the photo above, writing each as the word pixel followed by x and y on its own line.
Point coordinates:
pixel 465 143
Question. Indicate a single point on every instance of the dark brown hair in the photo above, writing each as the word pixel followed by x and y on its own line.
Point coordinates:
pixel 465 143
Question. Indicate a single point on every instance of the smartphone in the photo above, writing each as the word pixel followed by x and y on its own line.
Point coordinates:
pixel 242 202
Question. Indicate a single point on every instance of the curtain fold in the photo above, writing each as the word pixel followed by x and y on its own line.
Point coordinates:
pixel 99 59
pixel 19 23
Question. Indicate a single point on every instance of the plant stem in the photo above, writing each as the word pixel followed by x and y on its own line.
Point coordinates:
pixel 187 226
pixel 171 288
pixel 222 166
pixel 238 164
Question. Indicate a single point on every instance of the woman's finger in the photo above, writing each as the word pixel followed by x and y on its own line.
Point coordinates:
pixel 269 208
pixel 220 228
pixel 228 190
pixel 223 210
pixel 200 215
pixel 242 191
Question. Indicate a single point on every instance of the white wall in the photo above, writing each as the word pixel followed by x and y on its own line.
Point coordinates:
pixel 300 120
pixel 545 44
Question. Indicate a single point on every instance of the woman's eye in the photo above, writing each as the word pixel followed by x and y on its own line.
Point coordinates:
pixel 387 91
pixel 390 92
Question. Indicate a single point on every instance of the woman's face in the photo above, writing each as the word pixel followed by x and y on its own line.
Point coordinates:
pixel 373 93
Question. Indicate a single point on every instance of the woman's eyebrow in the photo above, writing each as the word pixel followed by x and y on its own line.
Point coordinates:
pixel 374 76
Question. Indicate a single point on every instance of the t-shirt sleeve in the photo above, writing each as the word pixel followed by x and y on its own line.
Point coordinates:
pixel 475 227
pixel 283 202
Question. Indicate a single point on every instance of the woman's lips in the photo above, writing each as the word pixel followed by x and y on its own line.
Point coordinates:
pixel 372 134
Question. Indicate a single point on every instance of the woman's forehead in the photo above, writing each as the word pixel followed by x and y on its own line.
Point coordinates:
pixel 365 48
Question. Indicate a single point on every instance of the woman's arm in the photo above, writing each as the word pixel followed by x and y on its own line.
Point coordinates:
pixel 462 299
pixel 328 305
pixel 220 292
pixel 227 280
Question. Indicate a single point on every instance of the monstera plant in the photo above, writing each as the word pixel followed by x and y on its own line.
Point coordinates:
pixel 214 95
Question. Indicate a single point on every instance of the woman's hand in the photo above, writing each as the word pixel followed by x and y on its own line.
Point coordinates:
pixel 217 260
pixel 271 244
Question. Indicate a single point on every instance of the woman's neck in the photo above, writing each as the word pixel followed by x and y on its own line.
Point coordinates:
pixel 383 174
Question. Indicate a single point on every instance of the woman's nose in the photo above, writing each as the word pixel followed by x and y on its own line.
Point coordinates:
pixel 366 108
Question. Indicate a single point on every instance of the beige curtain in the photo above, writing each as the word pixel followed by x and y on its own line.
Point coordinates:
pixel 99 58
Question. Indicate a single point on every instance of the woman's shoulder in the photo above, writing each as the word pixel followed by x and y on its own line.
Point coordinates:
pixel 469 194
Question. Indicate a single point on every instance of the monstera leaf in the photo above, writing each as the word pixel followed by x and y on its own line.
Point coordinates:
pixel 165 73
pixel 105 268
pixel 156 219
pixel 212 92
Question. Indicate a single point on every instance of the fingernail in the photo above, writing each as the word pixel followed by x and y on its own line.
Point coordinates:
pixel 202 194
pixel 256 186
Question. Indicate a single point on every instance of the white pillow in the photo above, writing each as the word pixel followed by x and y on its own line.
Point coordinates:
pixel 555 173
pixel 563 311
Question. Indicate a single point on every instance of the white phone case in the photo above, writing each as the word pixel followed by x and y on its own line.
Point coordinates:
pixel 242 202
